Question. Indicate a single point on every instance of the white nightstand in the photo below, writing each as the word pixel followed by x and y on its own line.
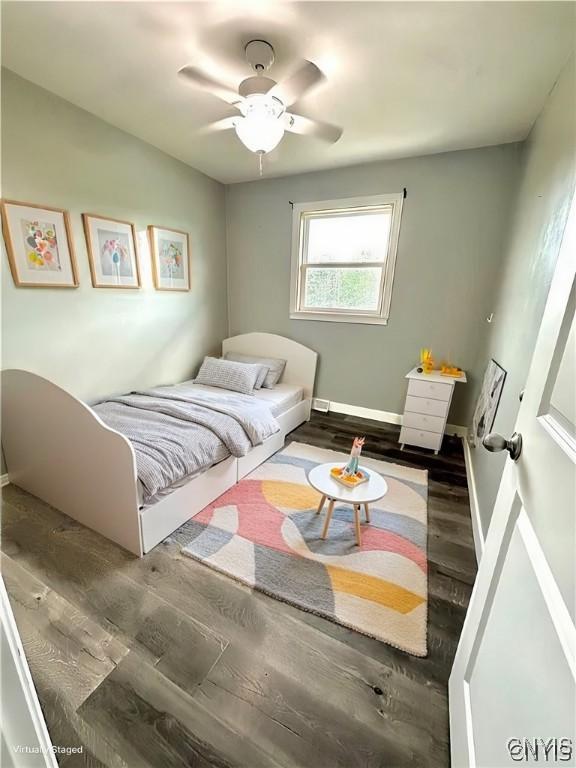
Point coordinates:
pixel 426 408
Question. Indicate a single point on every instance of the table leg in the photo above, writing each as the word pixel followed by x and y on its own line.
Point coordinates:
pixel 357 523
pixel 328 516
pixel 367 511
pixel 320 506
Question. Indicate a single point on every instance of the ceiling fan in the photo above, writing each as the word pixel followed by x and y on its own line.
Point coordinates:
pixel 262 103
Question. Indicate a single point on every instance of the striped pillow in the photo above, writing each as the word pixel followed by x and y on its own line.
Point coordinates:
pixel 226 374
pixel 274 364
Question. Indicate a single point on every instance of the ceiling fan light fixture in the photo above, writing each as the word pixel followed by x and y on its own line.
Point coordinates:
pixel 262 102
pixel 259 135
pixel 260 128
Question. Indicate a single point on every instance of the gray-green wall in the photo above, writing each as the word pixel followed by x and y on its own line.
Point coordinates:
pixel 546 189
pixel 98 341
pixel 453 231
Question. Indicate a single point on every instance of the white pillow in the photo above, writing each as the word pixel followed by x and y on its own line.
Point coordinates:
pixel 227 374
pixel 261 376
pixel 274 364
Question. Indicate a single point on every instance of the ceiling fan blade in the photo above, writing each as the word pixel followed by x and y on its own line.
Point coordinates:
pixel 195 76
pixel 220 125
pixel 308 127
pixel 296 85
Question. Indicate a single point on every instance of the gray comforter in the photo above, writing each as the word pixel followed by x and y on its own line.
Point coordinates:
pixel 178 431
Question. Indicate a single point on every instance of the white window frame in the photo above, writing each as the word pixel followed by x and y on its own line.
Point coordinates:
pixel 303 212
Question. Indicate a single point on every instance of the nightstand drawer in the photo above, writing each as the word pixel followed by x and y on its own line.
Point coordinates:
pixel 426 405
pixel 429 389
pixel 421 437
pixel 423 421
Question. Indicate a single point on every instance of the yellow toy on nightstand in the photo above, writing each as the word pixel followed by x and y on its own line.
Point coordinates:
pixel 426 360
pixel 446 369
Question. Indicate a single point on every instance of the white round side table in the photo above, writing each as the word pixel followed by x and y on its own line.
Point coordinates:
pixel 364 494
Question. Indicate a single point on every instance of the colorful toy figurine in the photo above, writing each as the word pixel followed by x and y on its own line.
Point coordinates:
pixel 352 467
pixel 351 475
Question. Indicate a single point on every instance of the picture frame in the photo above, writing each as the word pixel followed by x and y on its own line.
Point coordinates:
pixel 112 252
pixel 488 401
pixel 170 253
pixel 39 245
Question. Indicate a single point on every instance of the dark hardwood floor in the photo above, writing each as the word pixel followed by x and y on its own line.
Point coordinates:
pixel 162 662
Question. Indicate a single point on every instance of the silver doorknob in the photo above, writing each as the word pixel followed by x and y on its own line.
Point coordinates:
pixel 495 443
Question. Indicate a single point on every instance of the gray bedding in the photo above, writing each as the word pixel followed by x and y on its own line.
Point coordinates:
pixel 178 431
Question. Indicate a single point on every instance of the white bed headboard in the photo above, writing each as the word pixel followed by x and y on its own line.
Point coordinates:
pixel 300 360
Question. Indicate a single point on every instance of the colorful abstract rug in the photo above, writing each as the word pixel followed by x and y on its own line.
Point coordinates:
pixel 265 532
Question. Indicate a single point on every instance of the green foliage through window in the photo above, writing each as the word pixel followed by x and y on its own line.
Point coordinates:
pixel 347 288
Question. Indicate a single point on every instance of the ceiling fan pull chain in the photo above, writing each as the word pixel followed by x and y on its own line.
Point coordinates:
pixel 260 156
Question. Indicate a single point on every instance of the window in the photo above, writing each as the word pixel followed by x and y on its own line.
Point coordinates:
pixel 343 255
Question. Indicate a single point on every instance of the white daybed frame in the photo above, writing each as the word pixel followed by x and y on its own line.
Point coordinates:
pixel 58 449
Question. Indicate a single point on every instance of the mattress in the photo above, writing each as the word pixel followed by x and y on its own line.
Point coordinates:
pixel 280 399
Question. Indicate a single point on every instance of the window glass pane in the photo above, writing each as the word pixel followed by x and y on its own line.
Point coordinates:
pixel 342 288
pixel 349 237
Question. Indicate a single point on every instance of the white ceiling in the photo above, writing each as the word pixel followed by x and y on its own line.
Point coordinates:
pixel 404 78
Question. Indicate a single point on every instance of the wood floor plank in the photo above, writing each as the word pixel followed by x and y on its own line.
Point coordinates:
pixel 67 652
pixel 300 722
pixel 154 723
pixel 177 642
pixel 444 525
pixel 68 729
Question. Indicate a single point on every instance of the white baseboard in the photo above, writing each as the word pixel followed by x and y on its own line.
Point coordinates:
pixel 4 480
pixel 387 416
pixel 456 429
pixel 366 413
pixel 474 506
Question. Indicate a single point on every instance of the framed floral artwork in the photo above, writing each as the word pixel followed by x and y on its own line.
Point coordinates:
pixel 39 245
pixel 170 258
pixel 112 252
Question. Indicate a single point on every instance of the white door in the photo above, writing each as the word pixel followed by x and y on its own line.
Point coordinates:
pixel 24 739
pixel 513 683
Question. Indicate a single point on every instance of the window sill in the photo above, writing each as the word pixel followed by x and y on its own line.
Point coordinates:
pixel 336 317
